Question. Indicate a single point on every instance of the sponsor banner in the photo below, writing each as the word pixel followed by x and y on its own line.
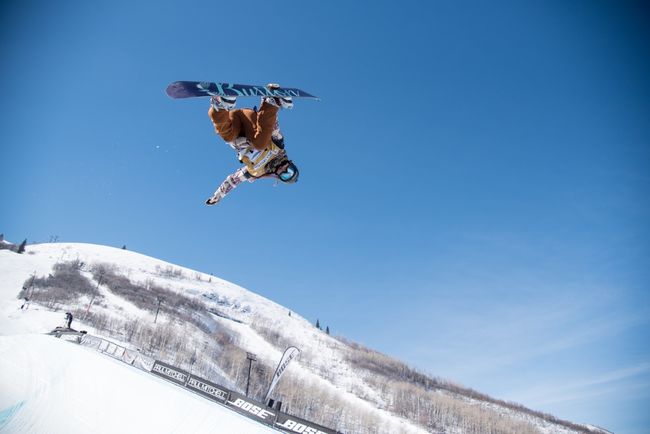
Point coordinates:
pixel 251 408
pixel 238 402
pixel 169 372
pixel 289 354
pixel 207 389
pixel 292 424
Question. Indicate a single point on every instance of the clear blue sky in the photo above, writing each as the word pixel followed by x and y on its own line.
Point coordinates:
pixel 474 183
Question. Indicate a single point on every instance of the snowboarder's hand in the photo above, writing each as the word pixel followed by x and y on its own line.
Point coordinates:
pixel 213 200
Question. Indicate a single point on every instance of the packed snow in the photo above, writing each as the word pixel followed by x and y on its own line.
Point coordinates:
pixel 53 386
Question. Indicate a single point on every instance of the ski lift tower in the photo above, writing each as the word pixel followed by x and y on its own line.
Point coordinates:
pixel 251 358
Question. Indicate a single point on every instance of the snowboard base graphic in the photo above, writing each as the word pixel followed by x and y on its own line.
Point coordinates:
pixel 192 89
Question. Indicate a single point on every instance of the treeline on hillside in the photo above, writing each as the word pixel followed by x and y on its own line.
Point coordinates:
pixel 401 378
pixel 64 285
pixel 434 412
pixel 187 338
pixel 430 409
pixel 67 283
pixel 151 297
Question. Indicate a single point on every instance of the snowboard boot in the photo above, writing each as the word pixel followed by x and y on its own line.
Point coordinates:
pixel 285 102
pixel 223 102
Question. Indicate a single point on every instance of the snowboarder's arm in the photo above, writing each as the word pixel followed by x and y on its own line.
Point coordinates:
pixel 228 185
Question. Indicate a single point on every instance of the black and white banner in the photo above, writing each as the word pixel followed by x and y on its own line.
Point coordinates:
pixel 240 403
pixel 289 354
pixel 208 389
pixel 170 372
pixel 293 424
pixel 253 409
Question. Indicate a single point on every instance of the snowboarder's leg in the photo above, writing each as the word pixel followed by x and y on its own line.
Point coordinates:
pixel 266 119
pixel 257 126
pixel 226 123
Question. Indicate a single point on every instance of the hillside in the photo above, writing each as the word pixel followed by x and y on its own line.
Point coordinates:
pixel 206 325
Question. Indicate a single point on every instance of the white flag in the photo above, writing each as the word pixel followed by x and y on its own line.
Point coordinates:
pixel 289 354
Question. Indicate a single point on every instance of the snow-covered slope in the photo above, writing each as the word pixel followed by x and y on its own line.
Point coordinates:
pixel 239 308
pixel 254 323
pixel 49 385
pixel 52 386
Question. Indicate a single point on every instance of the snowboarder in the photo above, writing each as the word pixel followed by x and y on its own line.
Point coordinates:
pixel 256 138
pixel 68 320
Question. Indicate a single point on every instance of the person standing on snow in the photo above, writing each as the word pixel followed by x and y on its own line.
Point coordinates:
pixel 256 138
pixel 68 319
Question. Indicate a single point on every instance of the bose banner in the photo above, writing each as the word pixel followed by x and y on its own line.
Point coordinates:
pixel 241 403
pixel 251 408
pixel 294 424
pixel 289 354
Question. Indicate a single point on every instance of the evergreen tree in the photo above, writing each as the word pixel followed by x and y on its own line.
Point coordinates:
pixel 327 330
pixel 318 324
pixel 21 248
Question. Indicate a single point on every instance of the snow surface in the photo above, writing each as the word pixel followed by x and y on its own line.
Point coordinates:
pixel 53 386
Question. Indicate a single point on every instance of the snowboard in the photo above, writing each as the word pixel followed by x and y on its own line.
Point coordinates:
pixel 60 331
pixel 191 89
